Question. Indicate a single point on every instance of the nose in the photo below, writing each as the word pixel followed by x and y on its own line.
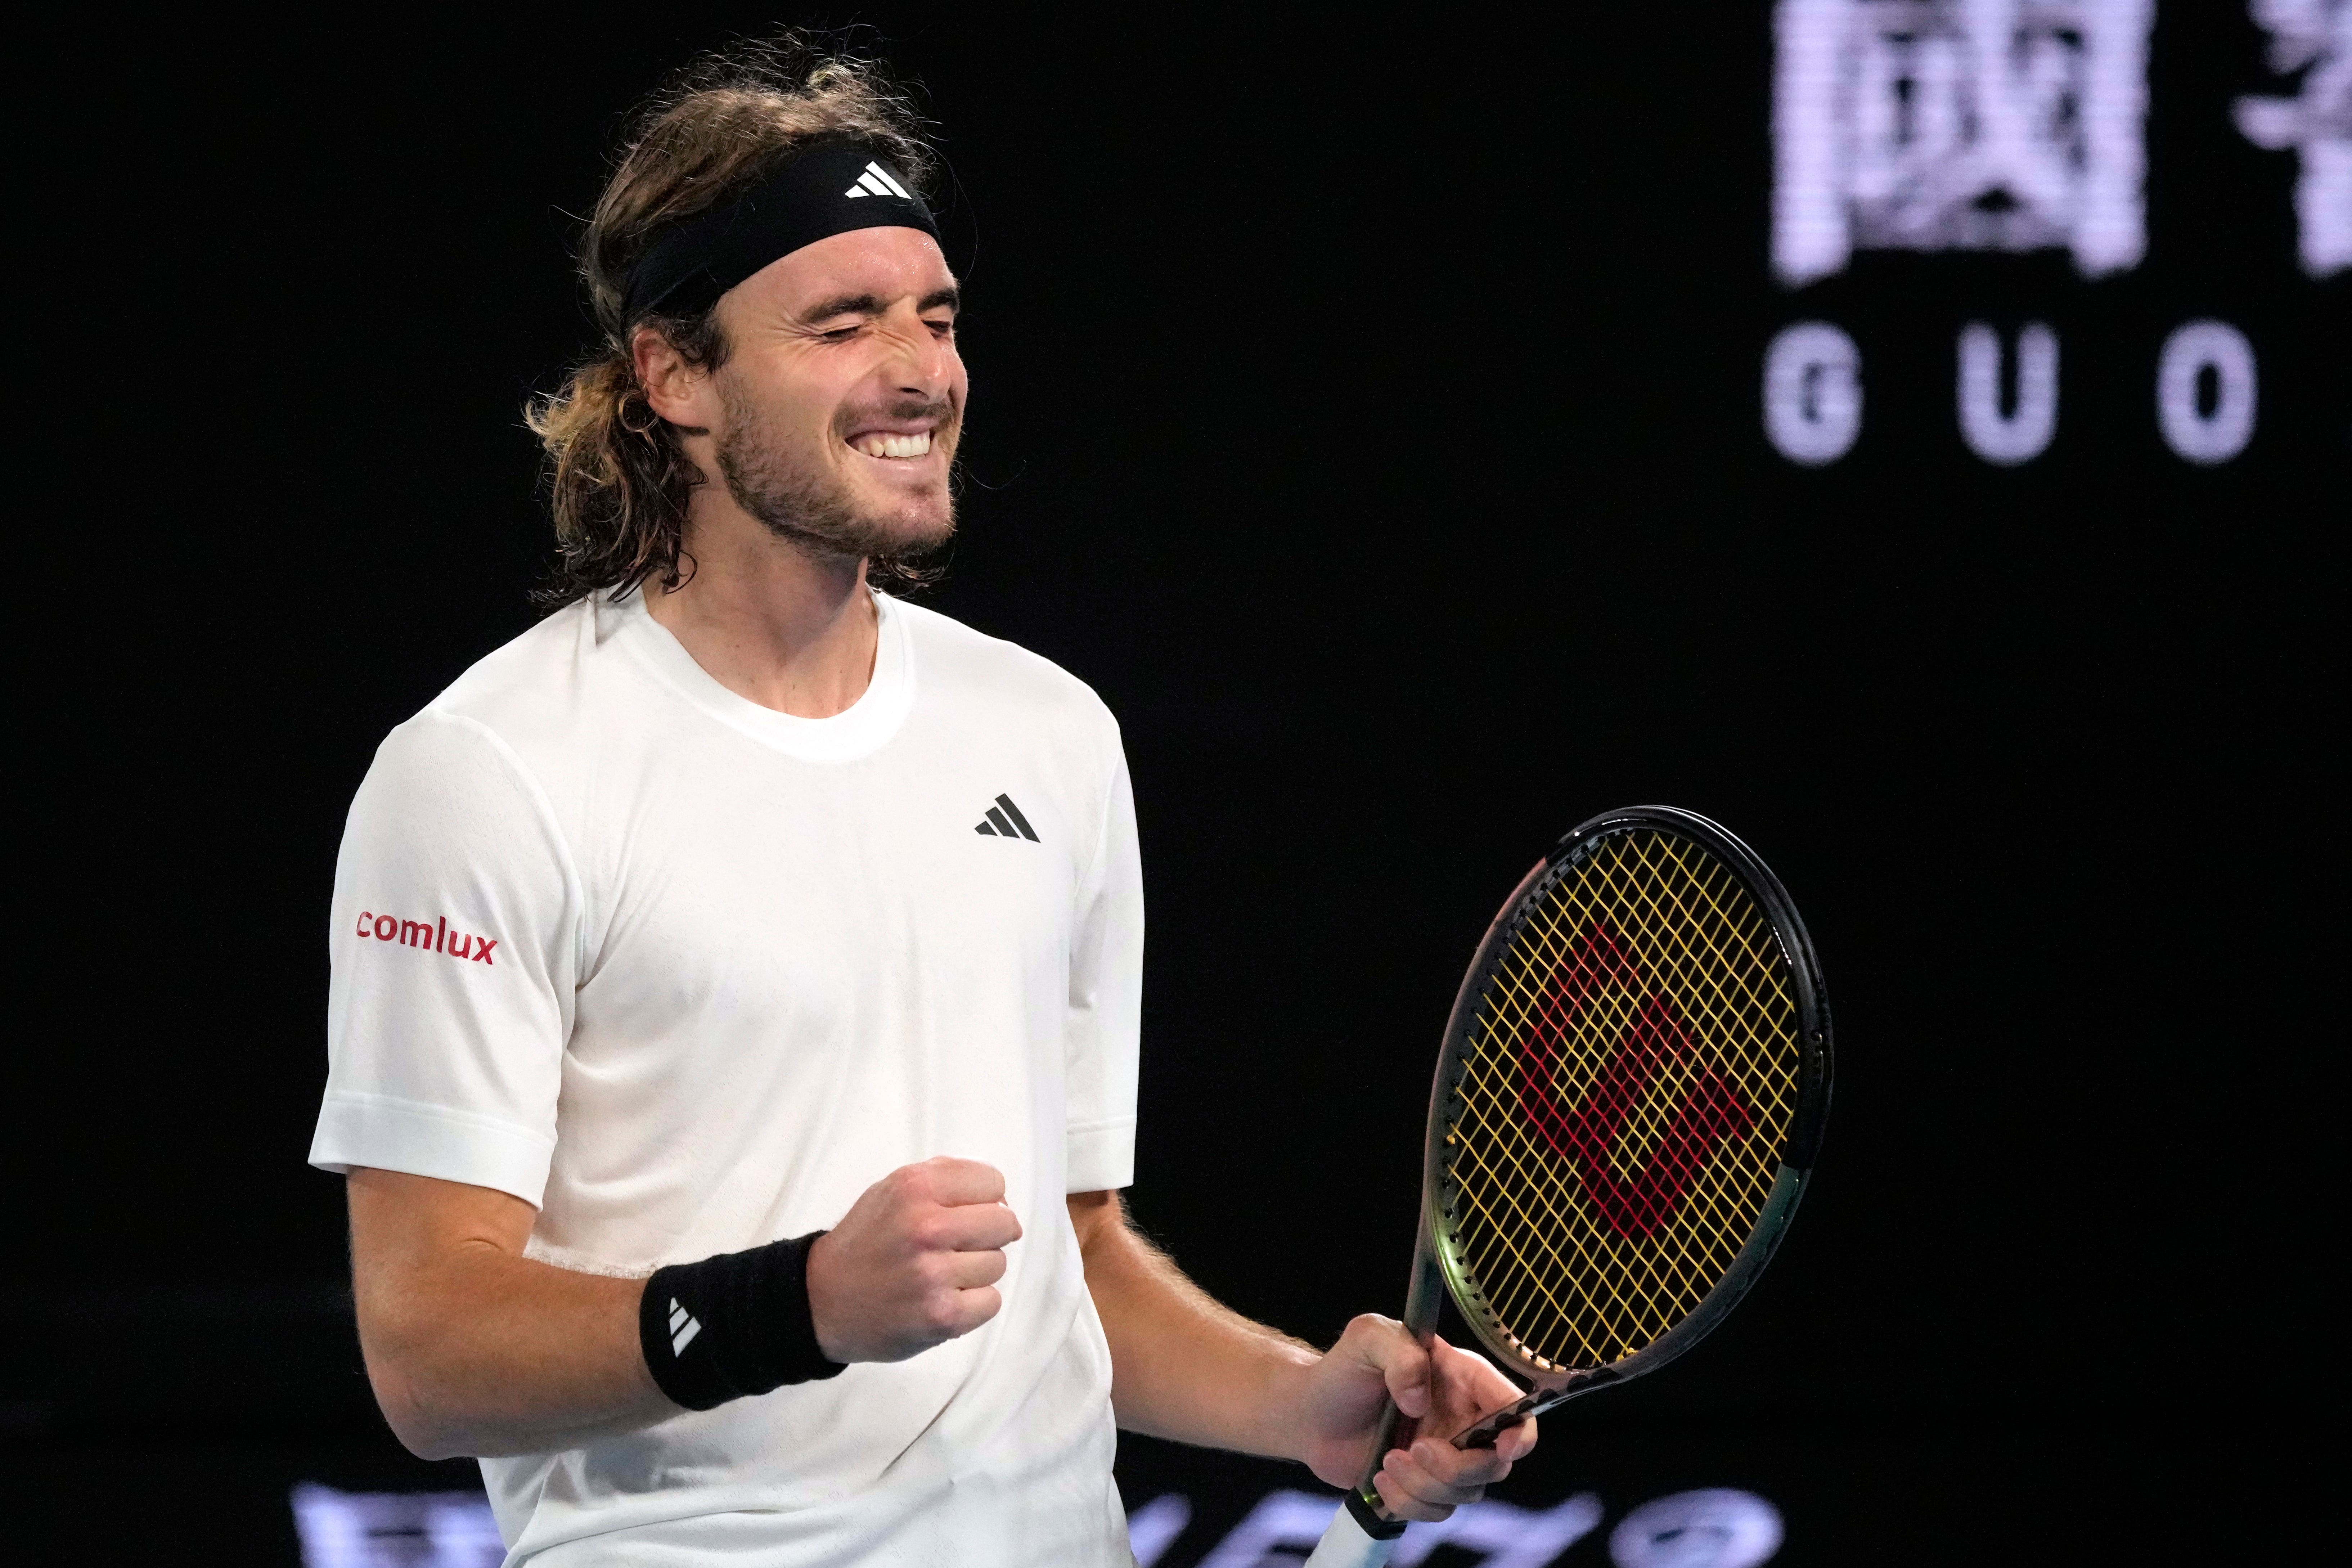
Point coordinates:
pixel 922 364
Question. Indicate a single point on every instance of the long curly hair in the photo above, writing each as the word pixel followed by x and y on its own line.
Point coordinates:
pixel 621 481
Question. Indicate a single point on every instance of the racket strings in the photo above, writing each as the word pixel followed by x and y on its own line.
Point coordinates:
pixel 1617 1124
pixel 1650 1038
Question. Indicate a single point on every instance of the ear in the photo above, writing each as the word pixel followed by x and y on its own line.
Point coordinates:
pixel 675 390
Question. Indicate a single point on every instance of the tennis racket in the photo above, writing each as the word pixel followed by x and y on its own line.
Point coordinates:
pixel 1632 1087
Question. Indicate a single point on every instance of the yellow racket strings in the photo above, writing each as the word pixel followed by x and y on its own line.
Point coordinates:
pixel 1618 1123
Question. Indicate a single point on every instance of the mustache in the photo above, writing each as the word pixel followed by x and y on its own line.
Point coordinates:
pixel 942 411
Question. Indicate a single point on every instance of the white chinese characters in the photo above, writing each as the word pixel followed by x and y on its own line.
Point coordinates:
pixel 2313 40
pixel 1958 125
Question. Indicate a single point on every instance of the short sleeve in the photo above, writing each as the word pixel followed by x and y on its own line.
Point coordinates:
pixel 1106 1000
pixel 454 945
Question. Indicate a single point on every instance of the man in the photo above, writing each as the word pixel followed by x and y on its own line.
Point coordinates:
pixel 733 1022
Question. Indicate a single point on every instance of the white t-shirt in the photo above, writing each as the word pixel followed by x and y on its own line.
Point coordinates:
pixel 691 974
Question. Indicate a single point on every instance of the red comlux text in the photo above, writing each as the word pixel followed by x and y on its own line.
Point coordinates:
pixel 435 937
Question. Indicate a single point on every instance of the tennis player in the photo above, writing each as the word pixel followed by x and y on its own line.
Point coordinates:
pixel 733 1026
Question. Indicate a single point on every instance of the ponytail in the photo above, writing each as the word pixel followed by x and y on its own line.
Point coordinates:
pixel 621 482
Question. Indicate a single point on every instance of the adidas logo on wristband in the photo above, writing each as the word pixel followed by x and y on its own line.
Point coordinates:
pixel 761 1333
pixel 682 1328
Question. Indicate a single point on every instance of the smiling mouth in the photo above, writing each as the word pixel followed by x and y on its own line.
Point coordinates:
pixel 879 444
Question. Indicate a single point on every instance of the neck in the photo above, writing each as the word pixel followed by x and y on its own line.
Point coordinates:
pixel 779 624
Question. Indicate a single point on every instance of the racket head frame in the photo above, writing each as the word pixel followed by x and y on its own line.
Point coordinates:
pixel 1437 1261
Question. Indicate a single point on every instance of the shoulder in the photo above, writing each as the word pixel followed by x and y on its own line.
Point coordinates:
pixel 532 673
pixel 961 666
pixel 497 713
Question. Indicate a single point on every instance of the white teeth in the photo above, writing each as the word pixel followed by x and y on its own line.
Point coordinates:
pixel 878 445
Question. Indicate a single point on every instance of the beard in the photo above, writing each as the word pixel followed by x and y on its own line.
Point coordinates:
pixel 817 510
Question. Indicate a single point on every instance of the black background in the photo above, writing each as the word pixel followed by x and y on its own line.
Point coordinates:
pixel 1370 414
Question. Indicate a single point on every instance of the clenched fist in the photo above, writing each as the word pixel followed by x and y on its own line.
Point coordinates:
pixel 914 1263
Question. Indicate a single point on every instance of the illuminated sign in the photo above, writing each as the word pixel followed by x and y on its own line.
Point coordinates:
pixel 1958 125
pixel 1715 1528
pixel 2011 126
pixel 2205 394
pixel 2311 39
pixel 378 1530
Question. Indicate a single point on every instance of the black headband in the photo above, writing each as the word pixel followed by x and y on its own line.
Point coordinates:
pixel 826 188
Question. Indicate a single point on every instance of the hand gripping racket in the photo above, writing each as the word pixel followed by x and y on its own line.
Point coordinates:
pixel 1632 1087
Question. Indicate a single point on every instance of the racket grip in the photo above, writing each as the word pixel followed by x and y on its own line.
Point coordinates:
pixel 1397 1431
pixel 1347 1544
pixel 1362 1535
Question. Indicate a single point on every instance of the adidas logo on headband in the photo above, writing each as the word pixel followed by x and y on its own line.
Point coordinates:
pixel 876 182
pixel 689 262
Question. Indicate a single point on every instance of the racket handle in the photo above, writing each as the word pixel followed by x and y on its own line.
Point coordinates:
pixel 1397 1431
pixel 1349 1545
pixel 1361 1528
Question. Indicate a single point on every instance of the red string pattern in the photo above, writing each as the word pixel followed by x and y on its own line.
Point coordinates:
pixel 1712 1110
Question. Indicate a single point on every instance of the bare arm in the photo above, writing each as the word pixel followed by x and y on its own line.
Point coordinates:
pixel 1233 1384
pixel 1184 1367
pixel 473 1348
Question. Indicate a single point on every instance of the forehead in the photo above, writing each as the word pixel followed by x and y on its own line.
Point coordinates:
pixel 884 263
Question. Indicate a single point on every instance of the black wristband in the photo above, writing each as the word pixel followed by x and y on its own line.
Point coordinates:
pixel 732 1325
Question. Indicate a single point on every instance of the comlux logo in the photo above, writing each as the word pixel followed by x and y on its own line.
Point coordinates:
pixel 435 938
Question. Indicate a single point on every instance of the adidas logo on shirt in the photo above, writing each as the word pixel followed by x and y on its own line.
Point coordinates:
pixel 876 182
pixel 1004 821
pixel 682 1328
